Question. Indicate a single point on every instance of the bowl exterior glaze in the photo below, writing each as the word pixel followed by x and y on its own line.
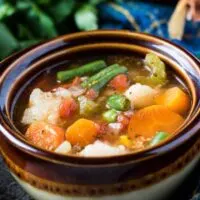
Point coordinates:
pixel 150 174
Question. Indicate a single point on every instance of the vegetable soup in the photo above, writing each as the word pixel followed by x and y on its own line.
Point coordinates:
pixel 105 106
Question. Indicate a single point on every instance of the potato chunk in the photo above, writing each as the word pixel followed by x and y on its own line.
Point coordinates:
pixel 140 95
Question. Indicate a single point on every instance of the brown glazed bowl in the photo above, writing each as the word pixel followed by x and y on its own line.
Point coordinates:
pixel 150 174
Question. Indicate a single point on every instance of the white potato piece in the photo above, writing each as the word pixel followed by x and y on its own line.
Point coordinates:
pixel 64 148
pixel 140 95
pixel 99 148
pixel 44 106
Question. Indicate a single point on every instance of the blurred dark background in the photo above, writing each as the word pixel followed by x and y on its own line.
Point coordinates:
pixel 27 22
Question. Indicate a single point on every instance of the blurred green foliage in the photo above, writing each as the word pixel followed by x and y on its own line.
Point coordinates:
pixel 27 22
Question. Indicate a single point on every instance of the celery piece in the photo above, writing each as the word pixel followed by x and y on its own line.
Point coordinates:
pixel 159 137
pixel 118 102
pixel 87 107
pixel 158 72
pixel 110 115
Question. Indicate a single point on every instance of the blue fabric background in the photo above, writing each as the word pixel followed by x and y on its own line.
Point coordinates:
pixel 150 18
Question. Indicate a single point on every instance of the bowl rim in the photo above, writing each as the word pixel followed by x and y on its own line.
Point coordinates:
pixel 137 156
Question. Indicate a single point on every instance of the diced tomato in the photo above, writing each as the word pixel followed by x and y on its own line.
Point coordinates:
pixel 123 120
pixel 76 81
pixel 92 94
pixel 102 128
pixel 120 82
pixel 67 108
pixel 128 114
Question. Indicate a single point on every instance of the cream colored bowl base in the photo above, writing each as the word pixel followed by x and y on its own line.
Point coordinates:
pixel 155 192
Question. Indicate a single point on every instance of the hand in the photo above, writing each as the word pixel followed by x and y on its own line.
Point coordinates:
pixel 194 10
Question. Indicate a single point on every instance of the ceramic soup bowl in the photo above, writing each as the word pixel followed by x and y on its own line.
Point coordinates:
pixel 150 174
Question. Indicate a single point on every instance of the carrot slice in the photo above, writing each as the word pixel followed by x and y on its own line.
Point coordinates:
pixel 147 121
pixel 175 99
pixel 44 135
pixel 82 132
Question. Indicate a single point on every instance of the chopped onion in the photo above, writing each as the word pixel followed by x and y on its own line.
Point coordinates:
pixel 62 92
pixel 76 91
pixel 115 128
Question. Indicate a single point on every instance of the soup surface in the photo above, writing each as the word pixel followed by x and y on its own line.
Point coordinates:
pixel 103 106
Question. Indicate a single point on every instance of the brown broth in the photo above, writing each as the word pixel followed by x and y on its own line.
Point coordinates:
pixel 47 81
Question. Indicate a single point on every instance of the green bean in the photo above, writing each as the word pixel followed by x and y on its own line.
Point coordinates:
pixel 91 68
pixel 110 115
pixel 118 102
pixel 159 137
pixel 93 79
pixel 100 83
